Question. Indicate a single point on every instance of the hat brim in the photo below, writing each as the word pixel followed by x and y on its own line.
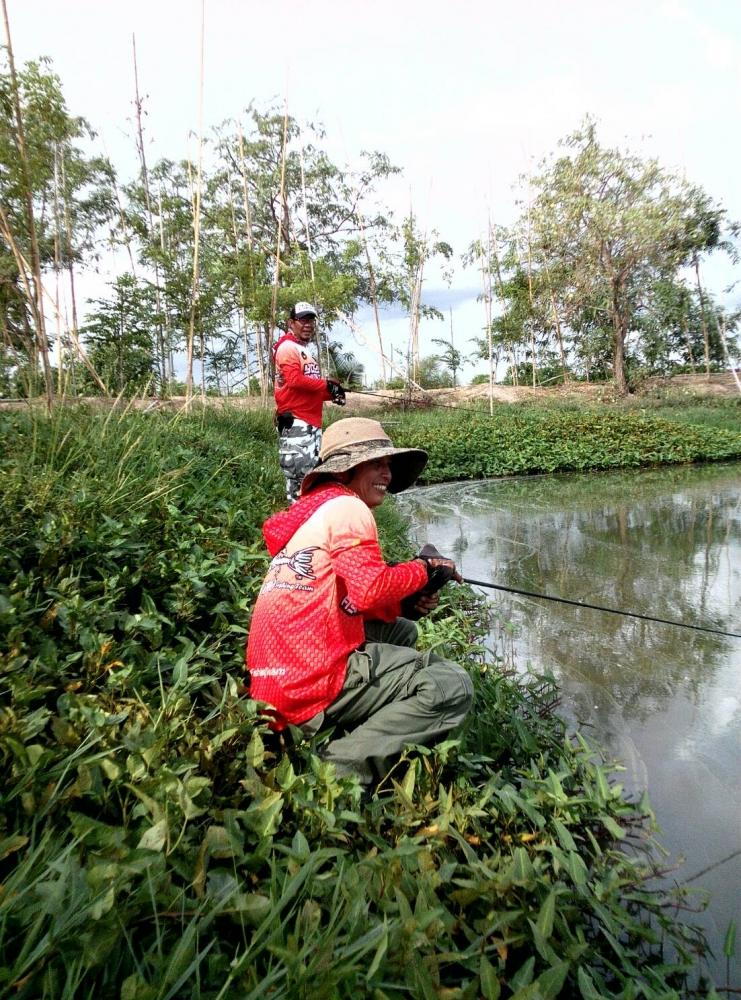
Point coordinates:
pixel 406 465
pixel 305 314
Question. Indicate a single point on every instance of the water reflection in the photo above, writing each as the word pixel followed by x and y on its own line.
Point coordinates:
pixel 664 700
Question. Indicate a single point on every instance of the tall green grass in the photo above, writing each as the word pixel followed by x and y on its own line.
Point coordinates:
pixel 157 841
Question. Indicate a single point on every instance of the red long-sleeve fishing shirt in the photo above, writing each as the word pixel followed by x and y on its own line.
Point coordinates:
pixel 327 576
pixel 299 387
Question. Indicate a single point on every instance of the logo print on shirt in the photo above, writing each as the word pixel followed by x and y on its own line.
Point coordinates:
pixel 299 563
pixel 348 607
pixel 311 368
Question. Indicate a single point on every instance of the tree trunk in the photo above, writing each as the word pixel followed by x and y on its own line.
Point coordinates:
pixel 703 319
pixel 620 331
pixel 37 303
pixel 162 366
pixel 374 303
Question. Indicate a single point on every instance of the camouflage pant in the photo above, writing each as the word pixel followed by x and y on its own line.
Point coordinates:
pixel 298 453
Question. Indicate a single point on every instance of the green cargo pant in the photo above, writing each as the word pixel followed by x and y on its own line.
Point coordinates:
pixel 393 695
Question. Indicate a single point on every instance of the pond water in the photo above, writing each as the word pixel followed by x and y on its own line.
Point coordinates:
pixel 665 701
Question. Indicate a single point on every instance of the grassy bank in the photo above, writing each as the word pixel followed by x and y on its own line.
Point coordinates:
pixel 158 842
pixel 523 439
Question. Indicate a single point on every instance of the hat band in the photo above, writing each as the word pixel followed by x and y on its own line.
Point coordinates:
pixel 347 451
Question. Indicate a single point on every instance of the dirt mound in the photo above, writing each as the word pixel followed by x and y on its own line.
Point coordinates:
pixel 715 386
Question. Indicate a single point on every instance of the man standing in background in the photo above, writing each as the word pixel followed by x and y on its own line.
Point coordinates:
pixel 299 393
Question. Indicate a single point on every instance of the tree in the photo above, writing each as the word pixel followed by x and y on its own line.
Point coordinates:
pixel 53 197
pixel 451 358
pixel 345 366
pixel 431 374
pixel 609 226
pixel 297 226
pixel 119 332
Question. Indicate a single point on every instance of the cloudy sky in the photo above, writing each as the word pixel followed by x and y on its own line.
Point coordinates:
pixel 464 96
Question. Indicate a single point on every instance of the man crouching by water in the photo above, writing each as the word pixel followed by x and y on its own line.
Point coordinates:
pixel 331 643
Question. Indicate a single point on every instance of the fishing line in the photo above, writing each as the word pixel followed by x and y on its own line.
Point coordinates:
pixel 402 401
pixel 598 607
pixel 710 868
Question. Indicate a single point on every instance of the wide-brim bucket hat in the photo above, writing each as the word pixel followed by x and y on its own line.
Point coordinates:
pixel 347 443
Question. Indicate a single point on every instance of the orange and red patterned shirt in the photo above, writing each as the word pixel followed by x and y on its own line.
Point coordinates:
pixel 299 387
pixel 326 578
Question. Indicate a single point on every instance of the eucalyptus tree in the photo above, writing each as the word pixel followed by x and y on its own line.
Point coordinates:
pixel 405 276
pixel 163 225
pixel 223 361
pixel 119 336
pixel 610 226
pixel 54 199
pixel 511 316
pixel 681 327
pixel 293 222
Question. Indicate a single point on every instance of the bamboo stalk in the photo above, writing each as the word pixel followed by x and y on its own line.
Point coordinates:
pixel 57 269
pixel 196 228
pixel 311 269
pixel 169 363
pixel 19 139
pixel 722 331
pixel 530 287
pixel 374 298
pixel 147 198
pixel 500 286
pixel 240 285
pixel 486 282
pixel 360 335
pixel 276 279
pixel 703 318
pixel 261 366
pixel 70 255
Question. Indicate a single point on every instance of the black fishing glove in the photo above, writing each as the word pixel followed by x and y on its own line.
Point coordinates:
pixel 437 577
pixel 336 391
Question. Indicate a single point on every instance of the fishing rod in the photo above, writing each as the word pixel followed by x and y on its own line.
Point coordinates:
pixel 402 400
pixel 597 607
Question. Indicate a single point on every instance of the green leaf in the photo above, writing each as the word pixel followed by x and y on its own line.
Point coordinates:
pixel 577 869
pixel 521 871
pixel 729 942
pixel 586 985
pixel 12 844
pixel 612 827
pixel 547 912
pixel 155 837
pixel 381 949
pixel 549 983
pixel 263 817
pixel 564 837
pixel 523 976
pixel 488 980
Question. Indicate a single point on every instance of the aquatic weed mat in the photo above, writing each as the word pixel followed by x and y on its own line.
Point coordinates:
pixel 520 440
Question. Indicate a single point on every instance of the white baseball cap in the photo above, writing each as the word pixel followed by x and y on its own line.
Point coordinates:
pixel 302 309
